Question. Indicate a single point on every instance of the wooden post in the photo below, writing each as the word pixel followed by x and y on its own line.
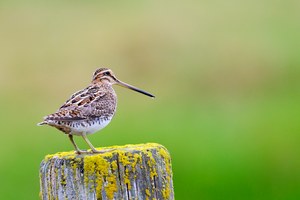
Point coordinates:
pixel 121 172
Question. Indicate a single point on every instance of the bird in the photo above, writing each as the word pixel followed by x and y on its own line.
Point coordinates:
pixel 89 110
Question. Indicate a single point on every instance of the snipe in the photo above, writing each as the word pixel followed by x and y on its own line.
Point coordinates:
pixel 89 110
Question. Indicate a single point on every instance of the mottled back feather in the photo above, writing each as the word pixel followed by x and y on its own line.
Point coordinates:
pixel 94 101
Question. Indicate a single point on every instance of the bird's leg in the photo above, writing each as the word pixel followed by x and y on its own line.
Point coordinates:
pixel 74 144
pixel 90 144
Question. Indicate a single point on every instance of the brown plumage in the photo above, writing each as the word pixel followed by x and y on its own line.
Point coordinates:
pixel 89 110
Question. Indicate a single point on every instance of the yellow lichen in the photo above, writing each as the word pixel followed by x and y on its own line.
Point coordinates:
pixel 165 154
pixel 148 192
pixel 110 151
pixel 151 163
pixel 74 163
pixel 114 165
pixel 136 158
pixel 95 165
pixel 63 176
pixel 100 169
pixel 111 187
pixel 166 193
pixel 69 154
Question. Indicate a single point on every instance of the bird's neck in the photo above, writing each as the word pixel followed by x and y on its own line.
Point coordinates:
pixel 105 87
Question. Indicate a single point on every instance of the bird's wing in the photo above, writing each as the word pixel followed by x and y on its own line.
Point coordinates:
pixel 81 105
pixel 83 97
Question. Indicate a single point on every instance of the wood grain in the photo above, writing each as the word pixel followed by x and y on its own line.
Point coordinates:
pixel 122 172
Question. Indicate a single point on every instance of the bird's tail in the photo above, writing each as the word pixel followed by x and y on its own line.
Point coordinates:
pixel 41 123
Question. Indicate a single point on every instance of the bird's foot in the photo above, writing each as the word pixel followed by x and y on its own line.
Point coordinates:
pixel 81 151
pixel 102 151
pixel 97 151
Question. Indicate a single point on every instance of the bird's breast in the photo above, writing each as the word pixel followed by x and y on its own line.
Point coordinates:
pixel 89 126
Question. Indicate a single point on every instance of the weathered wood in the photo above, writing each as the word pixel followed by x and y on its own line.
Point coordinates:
pixel 121 172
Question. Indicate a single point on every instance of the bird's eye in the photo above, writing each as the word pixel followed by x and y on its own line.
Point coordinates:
pixel 106 73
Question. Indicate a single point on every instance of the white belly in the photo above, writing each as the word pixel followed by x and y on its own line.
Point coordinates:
pixel 89 127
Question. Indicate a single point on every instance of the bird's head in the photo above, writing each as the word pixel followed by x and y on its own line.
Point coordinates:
pixel 106 76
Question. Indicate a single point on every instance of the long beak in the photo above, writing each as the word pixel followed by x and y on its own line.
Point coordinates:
pixel 134 88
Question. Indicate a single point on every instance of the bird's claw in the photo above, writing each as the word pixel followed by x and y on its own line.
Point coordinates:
pixel 81 152
pixel 97 151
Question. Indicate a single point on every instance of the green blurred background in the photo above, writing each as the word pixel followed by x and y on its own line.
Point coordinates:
pixel 225 73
